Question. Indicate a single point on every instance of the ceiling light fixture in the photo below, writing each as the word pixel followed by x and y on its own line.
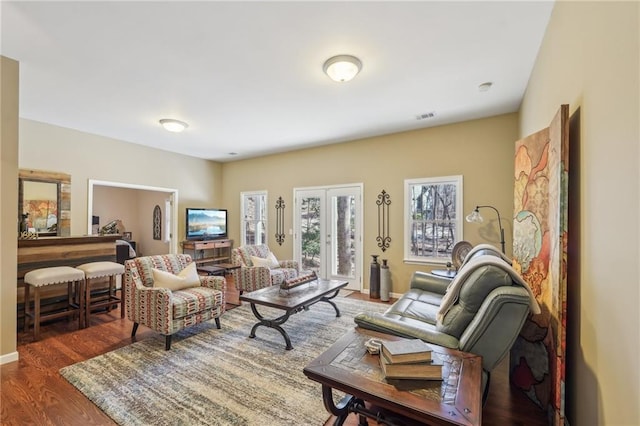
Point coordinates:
pixel 342 68
pixel 484 87
pixel 172 125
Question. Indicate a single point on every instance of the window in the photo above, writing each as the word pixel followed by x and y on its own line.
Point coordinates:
pixel 254 217
pixel 433 218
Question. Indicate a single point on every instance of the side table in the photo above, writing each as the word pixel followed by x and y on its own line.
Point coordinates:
pixel 348 367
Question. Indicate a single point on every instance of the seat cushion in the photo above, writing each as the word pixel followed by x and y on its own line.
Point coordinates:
pixel 53 275
pixel 101 269
pixel 416 305
pixel 193 300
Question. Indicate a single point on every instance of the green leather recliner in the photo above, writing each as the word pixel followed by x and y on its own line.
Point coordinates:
pixel 481 310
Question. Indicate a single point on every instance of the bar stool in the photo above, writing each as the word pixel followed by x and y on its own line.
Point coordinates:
pixel 95 270
pixel 49 276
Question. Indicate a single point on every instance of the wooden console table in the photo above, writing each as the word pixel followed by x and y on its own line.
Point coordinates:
pixel 210 252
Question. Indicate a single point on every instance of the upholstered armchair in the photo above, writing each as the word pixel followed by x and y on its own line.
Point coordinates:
pixel 258 268
pixel 481 310
pixel 166 294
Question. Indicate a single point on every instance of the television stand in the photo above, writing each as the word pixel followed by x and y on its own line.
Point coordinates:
pixel 208 252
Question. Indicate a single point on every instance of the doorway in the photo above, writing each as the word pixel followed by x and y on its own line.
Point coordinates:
pixel 168 207
pixel 328 232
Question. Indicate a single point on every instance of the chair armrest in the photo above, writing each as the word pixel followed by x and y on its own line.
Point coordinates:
pixel 141 299
pixel 405 328
pixel 429 282
pixel 212 281
pixel 291 264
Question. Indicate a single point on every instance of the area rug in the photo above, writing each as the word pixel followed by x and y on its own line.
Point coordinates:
pixel 219 377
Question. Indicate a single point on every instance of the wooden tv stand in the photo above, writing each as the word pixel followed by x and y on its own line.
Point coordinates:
pixel 208 252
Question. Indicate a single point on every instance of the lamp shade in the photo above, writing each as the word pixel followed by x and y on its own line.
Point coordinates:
pixel 172 125
pixel 342 68
pixel 475 217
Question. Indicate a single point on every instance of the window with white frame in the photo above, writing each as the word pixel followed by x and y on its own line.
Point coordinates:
pixel 433 218
pixel 253 206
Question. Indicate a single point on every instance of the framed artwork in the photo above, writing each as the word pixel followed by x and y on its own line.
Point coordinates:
pixel 126 236
pixel 540 238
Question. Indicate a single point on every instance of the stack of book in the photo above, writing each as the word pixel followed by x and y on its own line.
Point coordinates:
pixel 409 359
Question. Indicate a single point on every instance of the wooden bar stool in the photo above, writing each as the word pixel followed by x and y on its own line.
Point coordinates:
pixel 49 276
pixel 92 271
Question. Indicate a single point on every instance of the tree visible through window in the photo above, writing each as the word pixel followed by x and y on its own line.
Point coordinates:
pixel 254 217
pixel 310 233
pixel 433 218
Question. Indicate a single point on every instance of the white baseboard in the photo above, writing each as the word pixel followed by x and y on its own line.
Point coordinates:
pixel 7 358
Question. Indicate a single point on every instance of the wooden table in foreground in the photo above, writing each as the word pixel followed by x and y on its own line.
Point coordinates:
pixel 291 301
pixel 348 367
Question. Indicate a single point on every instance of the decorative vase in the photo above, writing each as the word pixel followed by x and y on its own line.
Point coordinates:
pixel 23 222
pixel 374 278
pixel 385 281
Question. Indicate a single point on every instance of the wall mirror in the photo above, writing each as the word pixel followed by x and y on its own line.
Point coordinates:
pixel 45 197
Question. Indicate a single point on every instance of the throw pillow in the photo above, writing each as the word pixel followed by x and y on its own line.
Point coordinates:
pixel 274 262
pixel 269 262
pixel 187 278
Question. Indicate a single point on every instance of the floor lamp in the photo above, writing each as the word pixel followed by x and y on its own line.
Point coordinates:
pixel 476 217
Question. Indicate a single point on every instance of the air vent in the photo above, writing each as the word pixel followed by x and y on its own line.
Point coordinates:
pixel 426 115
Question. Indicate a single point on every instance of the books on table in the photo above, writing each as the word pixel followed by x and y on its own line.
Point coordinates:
pixel 409 359
pixel 406 351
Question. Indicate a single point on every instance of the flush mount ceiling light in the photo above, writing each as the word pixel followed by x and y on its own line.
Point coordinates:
pixel 342 68
pixel 484 87
pixel 172 125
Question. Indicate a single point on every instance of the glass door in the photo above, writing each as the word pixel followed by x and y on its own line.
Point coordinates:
pixel 328 236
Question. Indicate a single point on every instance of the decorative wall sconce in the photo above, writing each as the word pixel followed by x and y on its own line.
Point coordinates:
pixel 383 238
pixel 280 221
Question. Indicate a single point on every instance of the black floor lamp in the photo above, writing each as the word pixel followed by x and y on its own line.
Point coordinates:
pixel 476 217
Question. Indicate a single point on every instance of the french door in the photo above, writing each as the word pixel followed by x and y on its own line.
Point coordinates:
pixel 328 232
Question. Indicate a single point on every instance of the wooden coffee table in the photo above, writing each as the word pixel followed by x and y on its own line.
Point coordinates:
pixel 348 367
pixel 291 301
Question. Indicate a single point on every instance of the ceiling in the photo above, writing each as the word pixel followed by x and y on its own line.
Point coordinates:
pixel 247 76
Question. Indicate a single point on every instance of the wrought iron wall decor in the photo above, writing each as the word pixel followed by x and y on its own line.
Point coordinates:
pixel 280 221
pixel 157 223
pixel 383 238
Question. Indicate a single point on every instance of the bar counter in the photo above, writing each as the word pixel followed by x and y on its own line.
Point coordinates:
pixel 61 251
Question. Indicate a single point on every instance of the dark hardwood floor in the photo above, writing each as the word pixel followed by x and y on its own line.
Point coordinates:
pixel 33 393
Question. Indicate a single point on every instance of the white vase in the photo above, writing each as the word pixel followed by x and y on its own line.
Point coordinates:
pixel 385 281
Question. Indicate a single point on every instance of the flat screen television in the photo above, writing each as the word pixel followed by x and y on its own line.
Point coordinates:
pixel 206 223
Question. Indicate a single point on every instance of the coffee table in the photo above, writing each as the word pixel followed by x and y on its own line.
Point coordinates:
pixel 291 301
pixel 348 367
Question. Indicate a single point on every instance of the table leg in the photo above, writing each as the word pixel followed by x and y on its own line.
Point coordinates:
pixel 271 323
pixel 341 411
pixel 350 404
pixel 329 301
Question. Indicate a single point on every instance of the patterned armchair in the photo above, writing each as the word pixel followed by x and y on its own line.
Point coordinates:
pixel 169 311
pixel 250 277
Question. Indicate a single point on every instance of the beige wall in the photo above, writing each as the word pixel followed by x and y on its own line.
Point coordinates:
pixel 589 59
pixel 8 206
pixel 85 156
pixel 134 207
pixel 480 150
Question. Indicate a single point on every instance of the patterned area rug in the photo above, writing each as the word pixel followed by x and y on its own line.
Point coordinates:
pixel 219 377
